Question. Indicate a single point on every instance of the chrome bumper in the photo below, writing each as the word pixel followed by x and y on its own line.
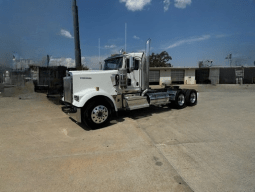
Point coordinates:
pixel 75 114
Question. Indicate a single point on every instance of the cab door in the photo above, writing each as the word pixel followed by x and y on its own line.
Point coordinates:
pixel 133 76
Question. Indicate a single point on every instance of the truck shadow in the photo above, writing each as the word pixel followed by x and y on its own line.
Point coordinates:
pixel 84 127
pixel 55 99
pixel 141 113
pixel 122 115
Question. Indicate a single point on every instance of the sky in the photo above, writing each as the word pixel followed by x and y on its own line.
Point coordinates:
pixel 189 30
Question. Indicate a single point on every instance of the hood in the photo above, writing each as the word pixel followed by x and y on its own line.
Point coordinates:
pixel 87 72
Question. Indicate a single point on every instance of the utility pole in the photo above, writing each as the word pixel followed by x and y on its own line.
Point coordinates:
pixel 76 36
pixel 48 71
pixel 229 58
pixel 48 60
pixel 125 37
pixel 100 65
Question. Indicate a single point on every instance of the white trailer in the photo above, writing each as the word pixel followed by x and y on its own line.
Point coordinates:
pixel 96 96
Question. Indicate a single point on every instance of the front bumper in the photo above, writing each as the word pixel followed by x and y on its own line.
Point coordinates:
pixel 75 114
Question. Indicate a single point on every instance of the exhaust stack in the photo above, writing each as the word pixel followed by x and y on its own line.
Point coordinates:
pixel 76 36
pixel 146 66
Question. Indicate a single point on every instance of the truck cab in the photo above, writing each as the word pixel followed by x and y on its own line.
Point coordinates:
pixel 122 62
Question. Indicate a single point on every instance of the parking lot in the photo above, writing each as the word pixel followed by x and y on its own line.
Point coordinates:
pixel 208 147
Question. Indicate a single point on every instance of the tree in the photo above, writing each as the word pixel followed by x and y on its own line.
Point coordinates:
pixel 84 67
pixel 160 60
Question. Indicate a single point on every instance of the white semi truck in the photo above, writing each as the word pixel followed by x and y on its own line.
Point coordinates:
pixel 123 84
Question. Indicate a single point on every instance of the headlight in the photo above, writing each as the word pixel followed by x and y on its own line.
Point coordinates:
pixel 76 98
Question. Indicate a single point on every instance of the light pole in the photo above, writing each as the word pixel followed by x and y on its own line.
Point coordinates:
pixel 76 36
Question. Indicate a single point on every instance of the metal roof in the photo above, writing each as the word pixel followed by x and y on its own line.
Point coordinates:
pixel 133 54
pixel 213 67
pixel 165 68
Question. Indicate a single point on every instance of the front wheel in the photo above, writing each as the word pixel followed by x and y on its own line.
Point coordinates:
pixel 96 115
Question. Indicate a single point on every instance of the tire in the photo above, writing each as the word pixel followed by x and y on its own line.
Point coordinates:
pixel 96 115
pixel 180 101
pixel 191 97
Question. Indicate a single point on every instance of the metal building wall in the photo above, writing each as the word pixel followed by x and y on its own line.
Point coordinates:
pixel 214 76
pixel 173 76
pixel 52 77
pixel 1 88
pixel 18 77
pixel 34 73
pixel 1 77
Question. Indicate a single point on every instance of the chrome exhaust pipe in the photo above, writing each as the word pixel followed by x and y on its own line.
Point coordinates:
pixel 146 66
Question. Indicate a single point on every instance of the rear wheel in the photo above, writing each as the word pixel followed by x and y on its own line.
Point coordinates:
pixel 180 99
pixel 191 97
pixel 96 115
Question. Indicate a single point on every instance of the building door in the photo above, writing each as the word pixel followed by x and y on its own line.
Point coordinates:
pixel 202 76
pixel 177 76
pixel 154 77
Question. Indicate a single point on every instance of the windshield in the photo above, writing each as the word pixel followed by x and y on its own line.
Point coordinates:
pixel 113 64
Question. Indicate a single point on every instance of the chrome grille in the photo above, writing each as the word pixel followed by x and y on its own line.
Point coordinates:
pixel 68 89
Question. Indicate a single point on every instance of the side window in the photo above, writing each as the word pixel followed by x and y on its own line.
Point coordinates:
pixel 136 64
pixel 127 63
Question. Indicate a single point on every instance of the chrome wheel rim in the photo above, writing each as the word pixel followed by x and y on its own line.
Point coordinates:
pixel 193 98
pixel 99 114
pixel 181 100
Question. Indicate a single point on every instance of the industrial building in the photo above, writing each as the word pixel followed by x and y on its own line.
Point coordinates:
pixel 204 75
pixel 158 75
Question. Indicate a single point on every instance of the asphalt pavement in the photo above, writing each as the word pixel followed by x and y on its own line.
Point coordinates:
pixel 208 147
